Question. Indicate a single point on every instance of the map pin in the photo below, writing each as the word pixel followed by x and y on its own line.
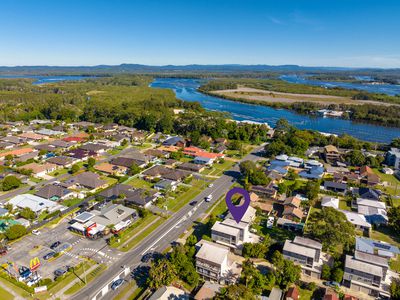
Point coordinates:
pixel 237 211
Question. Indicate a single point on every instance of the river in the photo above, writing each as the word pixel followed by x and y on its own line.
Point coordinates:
pixel 186 89
pixel 47 79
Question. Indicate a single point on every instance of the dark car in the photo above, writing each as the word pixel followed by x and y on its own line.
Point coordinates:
pixel 332 284
pixel 116 284
pixel 49 255
pixel 60 272
pixel 193 203
pixel 55 245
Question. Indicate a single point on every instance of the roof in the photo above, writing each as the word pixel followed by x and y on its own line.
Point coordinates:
pixel 372 246
pixel 84 217
pixel 124 161
pixel 371 203
pixel 362 266
pixel 328 201
pixel 331 148
pixel 17 152
pixel 290 246
pixel 113 214
pixel 50 191
pixel 46 131
pixel 307 242
pixel 213 253
pixel 293 293
pixel 294 211
pixel 116 190
pixel 356 219
pixel 190 166
pixel 248 216
pixel 276 294
pixel 335 185
pixel 38 168
pixel 169 293
pixel 32 136
pixel 208 291
pixel 109 168
pixel 292 201
pixel 172 141
pixel 94 147
pixel 87 179
pixel 35 203
pixel 374 259
pixel 61 160
pixel 220 227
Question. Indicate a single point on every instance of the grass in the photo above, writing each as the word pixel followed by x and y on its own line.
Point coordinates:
pixel 128 287
pixel 58 172
pixel 140 183
pixel 393 187
pixel 385 234
pixel 343 204
pixel 72 201
pixel 109 180
pixel 138 225
pixel 176 203
pixel 395 264
pixel 132 243
pixel 143 146
pixel 15 288
pixel 4 295
pixel 305 294
pixel 92 275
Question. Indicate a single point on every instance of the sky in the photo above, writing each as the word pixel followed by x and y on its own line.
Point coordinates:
pixel 349 33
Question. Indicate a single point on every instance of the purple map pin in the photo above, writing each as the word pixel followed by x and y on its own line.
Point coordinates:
pixel 237 211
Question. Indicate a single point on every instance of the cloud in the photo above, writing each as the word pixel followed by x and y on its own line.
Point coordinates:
pixel 298 17
pixel 276 21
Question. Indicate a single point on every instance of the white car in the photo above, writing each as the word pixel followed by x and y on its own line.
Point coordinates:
pixel 209 198
pixel 34 280
pixel 210 185
pixel 35 232
pixel 270 222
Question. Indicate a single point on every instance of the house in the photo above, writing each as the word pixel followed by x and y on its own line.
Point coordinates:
pixel 305 252
pixel 168 293
pixel 328 201
pixel 331 153
pixel 293 213
pixel 116 215
pixel 15 140
pixel 33 137
pixel 6 146
pixel 39 170
pixel 292 293
pixel 314 172
pixel 275 294
pixel 88 180
pixel 126 162
pixel 392 158
pixel 74 139
pixel 111 169
pixel 54 192
pixel 330 295
pixel 27 156
pixel 208 291
pixel 212 262
pixel 293 201
pixel 16 152
pixel 290 225
pixel 80 154
pixel 35 203
pixel 358 220
pixel 166 185
pixel 368 176
pixel 265 191
pixel 367 193
pixel 174 141
pixel 62 161
pixel 156 153
pixel 141 197
pixel 93 147
pixel 197 168
pixel 45 147
pixel 365 276
pixel 376 247
pixel 374 211
pixel 203 160
pixel 49 132
pixel 60 144
pixel 336 187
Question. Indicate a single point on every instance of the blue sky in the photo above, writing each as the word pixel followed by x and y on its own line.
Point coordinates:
pixel 351 33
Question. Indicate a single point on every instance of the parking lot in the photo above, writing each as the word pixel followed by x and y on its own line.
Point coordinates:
pixel 75 247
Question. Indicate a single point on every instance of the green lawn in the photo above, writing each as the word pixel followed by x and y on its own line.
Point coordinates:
pixel 344 205
pixel 59 172
pixel 4 295
pixel 143 146
pixel 132 230
pixel 140 183
pixel 92 275
pixel 387 235
pixel 176 203
pixel 305 294
pixel 109 180
pixel 132 243
pixel 393 187
pixel 395 264
pixel 72 202
pixel 15 288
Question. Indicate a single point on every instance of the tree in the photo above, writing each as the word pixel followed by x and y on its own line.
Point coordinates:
pixel 15 232
pixel 277 260
pixel 312 189
pixel 234 292
pixel 331 227
pixel 27 213
pixel 10 183
pixel 256 250
pixel 356 158
pixel 161 273
pixel 91 162
pixel 134 169
pixel 288 274
pixel 75 168
pixel 252 173
pixel 337 275
pixel 394 218
pixel 184 265
pixel 326 272
pixel 252 278
pixel 395 289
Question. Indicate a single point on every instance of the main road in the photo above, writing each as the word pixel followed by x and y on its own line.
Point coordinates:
pixel 166 233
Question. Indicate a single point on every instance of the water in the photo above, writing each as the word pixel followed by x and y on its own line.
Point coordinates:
pixel 389 89
pixel 186 89
pixel 47 79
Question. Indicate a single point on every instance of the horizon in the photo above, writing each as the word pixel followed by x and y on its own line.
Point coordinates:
pixel 157 33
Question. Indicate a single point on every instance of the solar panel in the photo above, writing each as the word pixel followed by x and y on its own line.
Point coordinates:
pixel 377 245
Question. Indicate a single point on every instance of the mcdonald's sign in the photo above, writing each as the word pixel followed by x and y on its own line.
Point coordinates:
pixel 34 264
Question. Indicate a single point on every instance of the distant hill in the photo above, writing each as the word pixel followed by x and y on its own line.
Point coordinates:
pixel 173 69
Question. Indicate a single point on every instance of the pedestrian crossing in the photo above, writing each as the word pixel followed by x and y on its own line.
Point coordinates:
pixel 95 251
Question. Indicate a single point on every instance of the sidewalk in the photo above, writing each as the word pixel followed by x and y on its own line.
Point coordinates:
pixel 11 291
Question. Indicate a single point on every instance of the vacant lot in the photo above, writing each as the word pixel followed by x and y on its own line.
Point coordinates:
pixel 269 96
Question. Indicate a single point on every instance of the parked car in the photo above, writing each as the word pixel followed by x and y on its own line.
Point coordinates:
pixel 55 245
pixel 116 284
pixel 35 232
pixel 210 185
pixel 49 255
pixel 332 284
pixel 34 280
pixel 60 272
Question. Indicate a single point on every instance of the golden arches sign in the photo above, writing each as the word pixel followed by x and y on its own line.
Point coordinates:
pixel 34 263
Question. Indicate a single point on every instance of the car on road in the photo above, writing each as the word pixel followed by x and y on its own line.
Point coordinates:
pixel 35 232
pixel 209 198
pixel 332 284
pixel 55 245
pixel 210 185
pixel 193 203
pixel 116 284
pixel 49 255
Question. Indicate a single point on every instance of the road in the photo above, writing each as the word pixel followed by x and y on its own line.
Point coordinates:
pixel 166 233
